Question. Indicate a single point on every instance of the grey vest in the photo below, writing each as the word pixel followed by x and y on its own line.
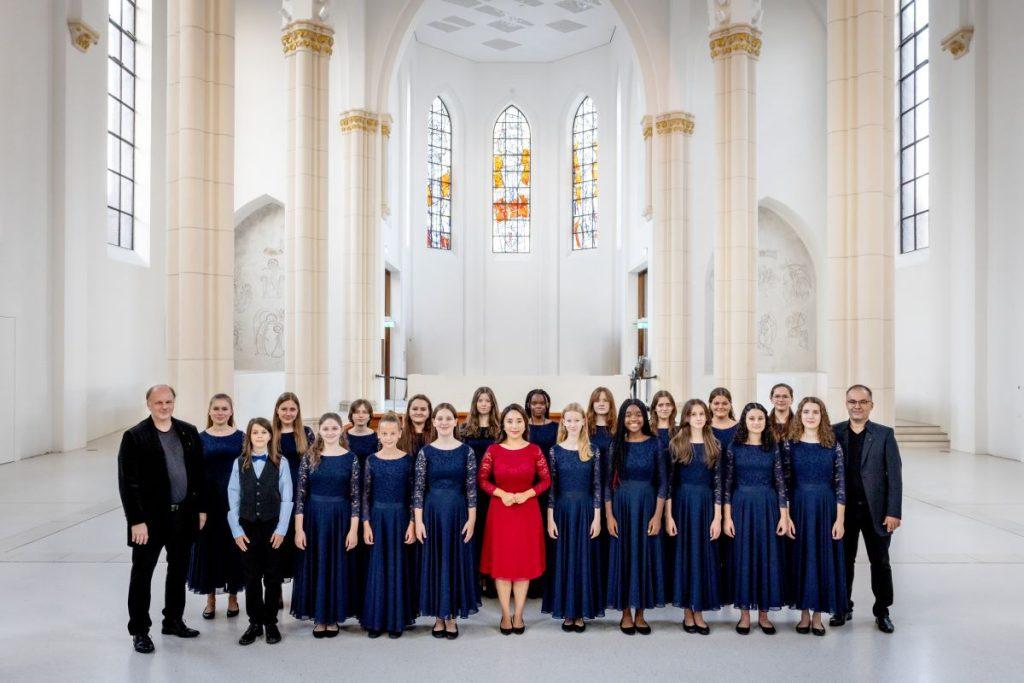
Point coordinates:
pixel 260 499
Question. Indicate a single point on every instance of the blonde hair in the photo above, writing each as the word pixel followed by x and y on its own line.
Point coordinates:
pixel 583 442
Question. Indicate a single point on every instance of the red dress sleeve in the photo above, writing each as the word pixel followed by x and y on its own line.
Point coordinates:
pixel 542 474
pixel 483 475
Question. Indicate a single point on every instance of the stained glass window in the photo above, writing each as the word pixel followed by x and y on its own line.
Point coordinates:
pixel 439 176
pixel 510 184
pixel 584 176
pixel 121 79
pixel 914 124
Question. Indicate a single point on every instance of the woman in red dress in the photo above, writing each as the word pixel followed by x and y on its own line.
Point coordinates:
pixel 514 472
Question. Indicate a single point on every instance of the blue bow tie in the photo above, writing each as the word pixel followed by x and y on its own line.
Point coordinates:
pixel 259 458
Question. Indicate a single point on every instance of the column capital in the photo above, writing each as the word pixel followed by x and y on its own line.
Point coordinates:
pixel 364 120
pixel 736 38
pixel 315 36
pixel 674 122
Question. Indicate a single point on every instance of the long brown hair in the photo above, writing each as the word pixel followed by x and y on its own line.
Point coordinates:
pixel 273 455
pixel 721 391
pixel 826 437
pixel 471 426
pixel 301 443
pixel 356 405
pixel 655 420
pixel 316 451
pixel 432 432
pixel 583 443
pixel 680 446
pixel 591 416
pixel 514 407
pixel 408 429
pixel 231 404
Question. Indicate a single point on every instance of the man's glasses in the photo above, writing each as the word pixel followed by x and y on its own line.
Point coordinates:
pixel 858 404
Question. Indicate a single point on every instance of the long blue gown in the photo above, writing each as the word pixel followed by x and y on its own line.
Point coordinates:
pixel 363 446
pixel 695 490
pixel 390 601
pixel 636 565
pixel 289 554
pixel 575 590
pixel 544 436
pixel 215 565
pixel 445 487
pixel 754 486
pixel 326 587
pixel 816 572
pixel 479 441
pixel 725 438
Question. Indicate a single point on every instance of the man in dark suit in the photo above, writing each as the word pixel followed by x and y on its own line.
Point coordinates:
pixel 874 500
pixel 160 476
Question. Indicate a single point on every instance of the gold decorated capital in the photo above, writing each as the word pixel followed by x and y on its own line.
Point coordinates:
pixel 361 120
pixel 739 38
pixel 647 123
pixel 307 35
pixel 83 36
pixel 674 122
pixel 958 42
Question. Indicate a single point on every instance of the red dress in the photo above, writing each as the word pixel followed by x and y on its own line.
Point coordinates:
pixel 514 535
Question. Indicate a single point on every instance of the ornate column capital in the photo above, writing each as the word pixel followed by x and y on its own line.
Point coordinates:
pixel 364 120
pixel 958 43
pixel 742 38
pixel 315 36
pixel 83 36
pixel 674 122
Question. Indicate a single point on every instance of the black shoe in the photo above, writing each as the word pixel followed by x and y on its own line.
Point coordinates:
pixel 841 618
pixel 568 627
pixel 321 634
pixel 818 631
pixel 768 630
pixel 580 628
pixel 885 624
pixel 689 628
pixel 704 630
pixel 803 630
pixel 232 613
pixel 374 634
pixel 451 635
pixel 331 632
pixel 628 630
pixel 209 614
pixel 644 630
pixel 179 629
pixel 273 634
pixel 742 630
pixel 251 634
pixel 438 634
pixel 143 643
pixel 394 635
pixel 519 630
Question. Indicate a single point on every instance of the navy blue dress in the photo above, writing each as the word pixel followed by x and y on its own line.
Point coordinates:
pixel 664 436
pixel 445 487
pixel 216 562
pixel 326 587
pixel 725 437
pixel 479 441
pixel 601 438
pixel 390 601
pixel 544 436
pixel 289 553
pixel 695 490
pixel 575 590
pixel 817 574
pixel 363 446
pixel 636 565
pixel 754 486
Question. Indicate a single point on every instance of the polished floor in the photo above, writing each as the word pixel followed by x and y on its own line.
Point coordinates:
pixel 958 563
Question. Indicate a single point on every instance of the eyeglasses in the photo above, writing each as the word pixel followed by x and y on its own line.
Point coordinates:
pixel 858 404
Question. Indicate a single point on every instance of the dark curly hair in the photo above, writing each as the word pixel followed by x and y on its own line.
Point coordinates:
pixel 742 434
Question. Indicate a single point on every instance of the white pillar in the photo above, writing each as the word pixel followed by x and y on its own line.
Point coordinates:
pixel 861 217
pixel 200 199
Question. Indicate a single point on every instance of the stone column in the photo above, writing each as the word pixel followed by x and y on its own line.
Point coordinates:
pixel 735 47
pixel 361 264
pixel 200 199
pixel 307 48
pixel 668 140
pixel 861 217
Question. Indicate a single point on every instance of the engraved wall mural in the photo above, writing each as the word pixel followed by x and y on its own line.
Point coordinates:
pixel 259 325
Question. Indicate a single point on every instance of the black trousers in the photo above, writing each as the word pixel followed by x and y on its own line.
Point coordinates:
pixel 262 566
pixel 859 523
pixel 175 532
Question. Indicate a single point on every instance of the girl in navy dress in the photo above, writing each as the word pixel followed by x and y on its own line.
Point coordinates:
pixel 817 574
pixel 693 517
pixel 362 440
pixel 601 418
pixel 782 412
pixel 216 564
pixel 415 426
pixel 756 516
pixel 326 526
pixel 663 415
pixel 389 532
pixel 575 591
pixel 479 431
pixel 444 506
pixel 291 440
pixel 543 431
pixel 723 426
pixel 636 484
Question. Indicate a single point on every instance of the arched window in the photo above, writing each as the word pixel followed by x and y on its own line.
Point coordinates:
pixel 121 77
pixel 914 125
pixel 584 176
pixel 510 184
pixel 439 176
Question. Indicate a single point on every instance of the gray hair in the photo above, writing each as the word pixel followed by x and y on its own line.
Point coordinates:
pixel 149 392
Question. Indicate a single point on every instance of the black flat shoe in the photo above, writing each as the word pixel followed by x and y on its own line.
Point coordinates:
pixel 251 634
pixel 519 630
pixel 568 627
pixel 232 613
pixel 885 624
pixel 438 634
pixel 803 630
pixel 320 634
pixel 742 630
pixel 628 630
pixel 394 635
pixel 818 631
pixel 689 628
pixel 209 614
pixel 504 631
pixel 374 634
pixel 331 632
pixel 580 628
pixel 143 643
pixel 768 630
pixel 451 635
pixel 179 629
pixel 644 630
pixel 704 630
pixel 273 634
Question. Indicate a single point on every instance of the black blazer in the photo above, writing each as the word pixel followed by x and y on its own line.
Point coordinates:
pixel 142 473
pixel 880 471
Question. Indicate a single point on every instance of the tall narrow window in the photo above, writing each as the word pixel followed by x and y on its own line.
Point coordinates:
pixel 584 176
pixel 439 177
pixel 510 184
pixel 121 42
pixel 913 56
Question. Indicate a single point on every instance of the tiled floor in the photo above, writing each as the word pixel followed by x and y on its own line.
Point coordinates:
pixel 959 569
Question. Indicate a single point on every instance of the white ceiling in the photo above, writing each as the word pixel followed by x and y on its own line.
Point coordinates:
pixel 515 30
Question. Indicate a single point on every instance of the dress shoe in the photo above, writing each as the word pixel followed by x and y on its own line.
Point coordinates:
pixel 451 635
pixel 232 613
pixel 331 632
pixel 179 629
pixel 580 628
pixel 504 631
pixel 323 634
pixel 644 630
pixel 840 618
pixel 394 635
pixel 803 630
pixel 742 630
pixel 885 624
pixel 209 614
pixel 519 630
pixel 628 630
pixel 689 628
pixel 568 627
pixel 273 634
pixel 438 633
pixel 251 634
pixel 704 630
pixel 818 631
pixel 374 634
pixel 143 643
pixel 768 630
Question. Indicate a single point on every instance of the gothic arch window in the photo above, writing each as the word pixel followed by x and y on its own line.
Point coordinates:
pixel 510 183
pixel 439 176
pixel 584 176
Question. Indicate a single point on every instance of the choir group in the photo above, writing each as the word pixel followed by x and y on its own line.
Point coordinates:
pixel 624 509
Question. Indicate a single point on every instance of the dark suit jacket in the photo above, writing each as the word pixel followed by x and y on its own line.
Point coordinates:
pixel 142 474
pixel 880 471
